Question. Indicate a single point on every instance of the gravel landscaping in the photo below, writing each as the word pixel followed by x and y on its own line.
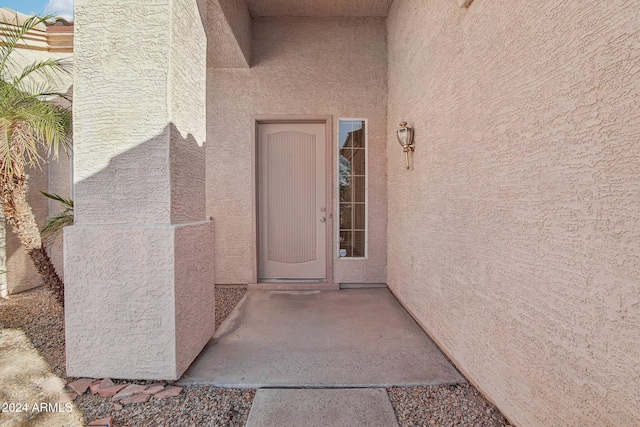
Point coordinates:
pixel 41 320
pixel 444 405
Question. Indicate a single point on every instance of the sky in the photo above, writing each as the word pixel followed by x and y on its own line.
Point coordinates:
pixel 62 8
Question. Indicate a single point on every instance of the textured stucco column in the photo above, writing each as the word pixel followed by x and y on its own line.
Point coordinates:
pixel 138 261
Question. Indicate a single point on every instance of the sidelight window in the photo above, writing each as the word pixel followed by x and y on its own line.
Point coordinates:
pixel 352 188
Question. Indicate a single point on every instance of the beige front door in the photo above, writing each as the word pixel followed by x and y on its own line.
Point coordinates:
pixel 292 206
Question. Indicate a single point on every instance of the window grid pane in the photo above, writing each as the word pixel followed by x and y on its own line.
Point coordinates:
pixel 352 169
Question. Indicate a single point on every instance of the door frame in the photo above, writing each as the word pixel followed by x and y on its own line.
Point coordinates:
pixel 257 120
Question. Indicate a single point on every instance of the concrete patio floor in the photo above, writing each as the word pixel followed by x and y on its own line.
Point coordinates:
pixel 323 339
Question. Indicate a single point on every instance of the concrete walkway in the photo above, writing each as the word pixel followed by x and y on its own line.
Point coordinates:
pixel 360 407
pixel 346 338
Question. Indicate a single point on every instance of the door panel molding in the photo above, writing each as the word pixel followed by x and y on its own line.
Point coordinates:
pixel 327 121
pixel 301 180
pixel 291 195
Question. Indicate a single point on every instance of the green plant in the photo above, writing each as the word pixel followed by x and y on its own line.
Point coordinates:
pixel 56 223
pixel 29 126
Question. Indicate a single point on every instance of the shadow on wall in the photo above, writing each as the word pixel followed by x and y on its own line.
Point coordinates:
pixel 152 183
pixel 140 253
pixel 186 171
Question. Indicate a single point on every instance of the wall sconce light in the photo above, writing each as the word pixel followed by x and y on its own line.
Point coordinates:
pixel 405 138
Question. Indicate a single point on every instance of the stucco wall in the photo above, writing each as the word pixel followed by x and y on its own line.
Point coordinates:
pixel 299 66
pixel 187 102
pixel 194 292
pixel 59 183
pixel 166 84
pixel 110 121
pixel 515 238
pixel 140 299
pixel 139 269
pixel 228 34
pixel 120 318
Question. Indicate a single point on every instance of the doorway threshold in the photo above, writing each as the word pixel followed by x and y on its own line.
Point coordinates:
pixel 362 285
pixel 293 286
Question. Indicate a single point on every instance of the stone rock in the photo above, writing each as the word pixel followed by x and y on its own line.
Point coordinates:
pixel 169 391
pixel 106 383
pixel 95 386
pixel 52 386
pixel 117 407
pixel 111 391
pixel 102 422
pixel 80 386
pixel 153 389
pixel 129 390
pixel 136 398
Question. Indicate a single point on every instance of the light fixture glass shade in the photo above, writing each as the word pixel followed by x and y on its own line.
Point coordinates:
pixel 404 134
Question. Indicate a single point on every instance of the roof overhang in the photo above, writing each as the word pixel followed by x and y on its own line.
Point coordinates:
pixel 319 8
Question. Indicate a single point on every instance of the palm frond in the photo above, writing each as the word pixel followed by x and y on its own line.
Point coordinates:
pixel 66 203
pixel 27 124
pixel 55 224
pixel 48 71
pixel 11 35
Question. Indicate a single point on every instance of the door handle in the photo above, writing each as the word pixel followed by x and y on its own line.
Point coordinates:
pixel 322 219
